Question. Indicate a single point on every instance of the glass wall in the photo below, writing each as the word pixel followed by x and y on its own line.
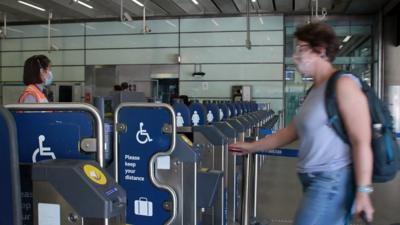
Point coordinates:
pixel 355 55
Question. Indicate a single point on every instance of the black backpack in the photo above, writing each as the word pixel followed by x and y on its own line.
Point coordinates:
pixel 384 145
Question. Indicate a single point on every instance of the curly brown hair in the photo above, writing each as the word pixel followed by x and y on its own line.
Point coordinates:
pixel 319 35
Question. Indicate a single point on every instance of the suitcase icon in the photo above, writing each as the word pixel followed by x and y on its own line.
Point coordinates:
pixel 143 207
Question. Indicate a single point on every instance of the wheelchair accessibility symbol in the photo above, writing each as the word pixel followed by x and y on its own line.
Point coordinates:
pixel 42 151
pixel 142 136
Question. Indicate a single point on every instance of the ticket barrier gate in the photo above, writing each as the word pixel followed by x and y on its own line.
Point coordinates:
pixel 246 126
pixel 196 115
pixel 215 150
pixel 90 197
pixel 10 195
pixel 159 168
pixel 233 174
pixel 54 131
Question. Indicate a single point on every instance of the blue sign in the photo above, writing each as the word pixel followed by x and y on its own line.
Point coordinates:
pixel 6 174
pixel 264 132
pixel 183 118
pixel 49 135
pixel 239 109
pixel 198 114
pixel 232 109
pixel 213 113
pixel 143 138
pixel 283 152
pixel 225 111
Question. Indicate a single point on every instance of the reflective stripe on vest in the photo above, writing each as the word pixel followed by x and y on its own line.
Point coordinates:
pixel 35 92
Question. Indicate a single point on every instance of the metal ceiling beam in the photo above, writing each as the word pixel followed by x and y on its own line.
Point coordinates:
pixel 303 5
pixel 241 4
pixel 129 6
pixel 327 4
pixel 341 6
pixel 111 6
pixel 154 9
pixel 13 16
pixel 14 7
pixel 284 5
pixel 189 7
pixel 134 9
pixel 170 7
pixel 68 9
pixel 266 5
pixel 390 5
pixel 209 7
pixel 359 6
pixel 226 6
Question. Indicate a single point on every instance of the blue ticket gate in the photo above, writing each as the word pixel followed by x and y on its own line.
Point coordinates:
pixel 232 168
pixel 54 131
pixel 213 153
pixel 213 156
pixel 10 195
pixel 158 167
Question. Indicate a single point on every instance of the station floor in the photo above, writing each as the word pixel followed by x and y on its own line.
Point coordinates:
pixel 279 193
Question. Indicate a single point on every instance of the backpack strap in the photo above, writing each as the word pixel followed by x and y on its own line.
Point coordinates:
pixel 334 118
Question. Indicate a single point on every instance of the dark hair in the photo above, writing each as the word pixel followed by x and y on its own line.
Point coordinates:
pixel 124 85
pixel 319 35
pixel 32 68
pixel 185 99
pixel 117 87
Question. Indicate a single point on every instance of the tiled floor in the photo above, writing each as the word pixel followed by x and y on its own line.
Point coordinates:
pixel 280 193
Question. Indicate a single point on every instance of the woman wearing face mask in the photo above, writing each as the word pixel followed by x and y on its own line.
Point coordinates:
pixel 336 177
pixel 37 75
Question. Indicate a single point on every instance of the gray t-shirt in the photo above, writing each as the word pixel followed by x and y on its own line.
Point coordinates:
pixel 321 149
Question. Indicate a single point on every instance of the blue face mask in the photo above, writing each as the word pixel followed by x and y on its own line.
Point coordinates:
pixel 49 80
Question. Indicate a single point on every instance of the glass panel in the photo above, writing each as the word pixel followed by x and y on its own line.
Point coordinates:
pixel 231 38
pixel 233 72
pixel 232 55
pixel 41 30
pixel 42 43
pixel 56 57
pixel 210 89
pixel 12 73
pixel 132 41
pixel 132 56
pixel 134 27
pixel 231 24
pixel 61 73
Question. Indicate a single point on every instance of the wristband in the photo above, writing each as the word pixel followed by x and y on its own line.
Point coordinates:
pixel 365 189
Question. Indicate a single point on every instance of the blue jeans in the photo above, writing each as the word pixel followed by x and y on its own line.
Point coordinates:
pixel 327 197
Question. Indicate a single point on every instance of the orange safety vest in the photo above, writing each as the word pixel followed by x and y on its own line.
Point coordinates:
pixel 35 92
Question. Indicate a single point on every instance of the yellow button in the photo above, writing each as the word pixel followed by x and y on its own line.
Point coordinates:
pixel 94 174
pixel 187 140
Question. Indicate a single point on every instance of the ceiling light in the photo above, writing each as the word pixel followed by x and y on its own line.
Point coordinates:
pixel 128 25
pixel 214 22
pixel 195 2
pixel 15 30
pixel 170 23
pixel 347 38
pixel 84 4
pixel 137 2
pixel 253 0
pixel 88 26
pixel 51 28
pixel 31 5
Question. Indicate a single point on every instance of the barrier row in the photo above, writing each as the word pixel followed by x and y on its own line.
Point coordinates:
pixel 171 164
